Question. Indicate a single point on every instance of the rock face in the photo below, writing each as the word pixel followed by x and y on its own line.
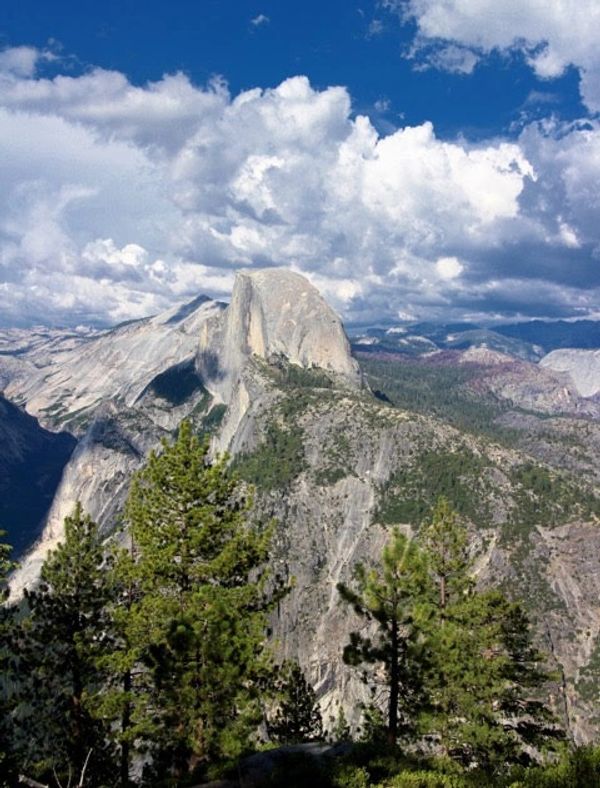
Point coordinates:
pixel 582 367
pixel 123 390
pixel 274 314
pixel 67 385
pixel 334 465
pixel 119 392
pixel 31 464
pixel 355 467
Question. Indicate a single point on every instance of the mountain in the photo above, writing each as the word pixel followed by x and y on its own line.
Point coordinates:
pixel 64 385
pixel 529 341
pixel 31 464
pixel 418 339
pixel 340 449
pixel 119 393
pixel 582 367
pixel 556 334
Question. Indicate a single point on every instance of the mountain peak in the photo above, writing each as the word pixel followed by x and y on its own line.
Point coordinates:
pixel 275 312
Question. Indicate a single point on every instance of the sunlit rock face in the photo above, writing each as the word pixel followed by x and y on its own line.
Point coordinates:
pixel 276 313
pixel 582 366
pixel 331 462
pixel 119 392
pixel 123 390
pixel 69 383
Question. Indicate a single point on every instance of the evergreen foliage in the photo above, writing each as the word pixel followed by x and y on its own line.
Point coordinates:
pixel 59 645
pixel 482 669
pixel 438 389
pixel 340 731
pixel 298 717
pixel 461 671
pixel 192 633
pixel 390 596
pixel 277 461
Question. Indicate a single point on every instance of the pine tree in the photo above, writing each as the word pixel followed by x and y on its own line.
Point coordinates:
pixel 60 643
pixel 194 631
pixel 390 595
pixel 446 544
pixel 481 668
pixel 125 694
pixel 340 732
pixel 298 717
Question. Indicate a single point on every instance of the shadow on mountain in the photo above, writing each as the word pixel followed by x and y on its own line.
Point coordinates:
pixel 31 465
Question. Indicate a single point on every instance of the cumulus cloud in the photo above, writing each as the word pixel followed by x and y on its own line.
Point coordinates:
pixel 552 35
pixel 119 199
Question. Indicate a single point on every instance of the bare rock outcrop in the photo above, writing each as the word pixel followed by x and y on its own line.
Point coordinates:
pixel 582 367
pixel 121 391
pixel 274 314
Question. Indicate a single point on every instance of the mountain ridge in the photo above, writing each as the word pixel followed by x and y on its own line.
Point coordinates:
pixel 338 465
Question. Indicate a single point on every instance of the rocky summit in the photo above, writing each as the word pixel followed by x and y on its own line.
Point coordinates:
pixel 339 451
pixel 582 366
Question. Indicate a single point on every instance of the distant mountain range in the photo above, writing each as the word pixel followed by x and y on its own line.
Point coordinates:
pixel 529 340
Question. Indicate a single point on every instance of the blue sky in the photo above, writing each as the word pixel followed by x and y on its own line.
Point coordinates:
pixel 333 42
pixel 415 158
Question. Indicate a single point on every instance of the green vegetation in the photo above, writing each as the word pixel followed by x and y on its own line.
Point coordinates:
pixel 337 459
pixel 459 665
pixel 412 490
pixel 7 639
pixel 297 717
pixel 388 596
pixel 549 497
pixel 292 376
pixel 376 766
pixel 157 653
pixel 588 683
pixel 439 390
pixel 213 419
pixel 159 648
pixel 277 461
pixel 194 618
pixel 64 632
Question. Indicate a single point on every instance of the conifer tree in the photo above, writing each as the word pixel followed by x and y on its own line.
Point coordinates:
pixel 482 671
pixel 298 717
pixel 125 695
pixel 390 595
pixel 340 731
pixel 197 624
pixel 60 643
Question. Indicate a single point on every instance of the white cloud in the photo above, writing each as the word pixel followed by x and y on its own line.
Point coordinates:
pixel 120 199
pixel 382 105
pixel 449 267
pixel 459 60
pixel 22 61
pixel 259 20
pixel 552 34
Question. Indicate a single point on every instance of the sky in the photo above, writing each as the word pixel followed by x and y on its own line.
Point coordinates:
pixel 416 159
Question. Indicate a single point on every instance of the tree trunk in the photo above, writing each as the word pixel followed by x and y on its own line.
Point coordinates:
pixel 78 752
pixel 394 686
pixel 125 725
